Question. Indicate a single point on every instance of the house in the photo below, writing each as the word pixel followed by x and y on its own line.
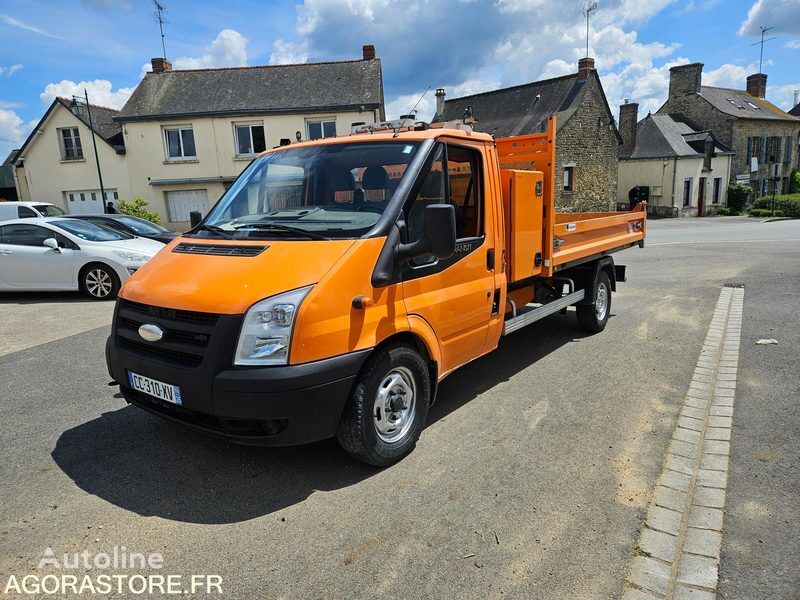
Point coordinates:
pixel 763 137
pixel 189 133
pixel 587 139
pixel 57 164
pixel 685 171
pixel 8 189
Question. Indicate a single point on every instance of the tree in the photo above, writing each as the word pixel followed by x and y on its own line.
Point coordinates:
pixel 137 208
pixel 738 194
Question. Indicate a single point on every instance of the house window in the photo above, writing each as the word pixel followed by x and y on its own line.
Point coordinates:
pixel 249 138
pixel 717 190
pixel 317 130
pixel 71 148
pixel 569 178
pixel 179 143
pixel 736 104
pixel 687 192
pixel 753 105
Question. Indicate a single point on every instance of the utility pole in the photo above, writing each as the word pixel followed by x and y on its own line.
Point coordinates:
pixel 761 43
pixel 159 15
pixel 587 12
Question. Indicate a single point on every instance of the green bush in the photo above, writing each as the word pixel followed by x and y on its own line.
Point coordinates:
pixel 726 211
pixel 738 194
pixel 788 204
pixel 137 209
pixel 794 182
pixel 764 212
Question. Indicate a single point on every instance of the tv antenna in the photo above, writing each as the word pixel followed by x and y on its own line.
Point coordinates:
pixel 761 43
pixel 159 15
pixel 587 12
pixel 411 112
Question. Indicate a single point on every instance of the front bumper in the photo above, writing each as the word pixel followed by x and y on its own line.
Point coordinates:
pixel 263 406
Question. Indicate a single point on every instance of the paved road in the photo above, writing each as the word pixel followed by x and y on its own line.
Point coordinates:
pixel 530 481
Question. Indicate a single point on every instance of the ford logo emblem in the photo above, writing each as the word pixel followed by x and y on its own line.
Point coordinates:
pixel 150 332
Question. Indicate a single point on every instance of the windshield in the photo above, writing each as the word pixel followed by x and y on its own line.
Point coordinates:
pixel 336 190
pixel 89 231
pixel 140 226
pixel 48 210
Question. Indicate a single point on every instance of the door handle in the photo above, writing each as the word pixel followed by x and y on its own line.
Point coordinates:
pixel 490 259
pixel 6 252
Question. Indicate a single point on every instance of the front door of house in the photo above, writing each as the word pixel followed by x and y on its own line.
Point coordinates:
pixel 701 198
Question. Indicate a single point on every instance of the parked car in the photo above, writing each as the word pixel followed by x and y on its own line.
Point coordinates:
pixel 56 253
pixel 131 225
pixel 25 210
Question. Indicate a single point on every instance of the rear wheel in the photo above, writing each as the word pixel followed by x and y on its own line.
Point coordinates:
pixel 99 282
pixel 384 416
pixel 593 316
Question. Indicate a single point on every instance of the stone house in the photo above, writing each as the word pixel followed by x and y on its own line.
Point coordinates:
pixel 764 138
pixel 189 133
pixel 56 163
pixel 587 139
pixel 685 171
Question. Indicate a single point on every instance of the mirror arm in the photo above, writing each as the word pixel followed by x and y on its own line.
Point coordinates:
pixel 406 252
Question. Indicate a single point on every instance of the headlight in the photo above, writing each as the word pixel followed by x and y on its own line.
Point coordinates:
pixel 267 329
pixel 131 256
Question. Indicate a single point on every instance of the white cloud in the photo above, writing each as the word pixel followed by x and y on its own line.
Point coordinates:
pixel 793 44
pixel 729 76
pixel 286 53
pixel 29 28
pixel 9 70
pixel 229 49
pixel 783 95
pixel 783 15
pixel 100 92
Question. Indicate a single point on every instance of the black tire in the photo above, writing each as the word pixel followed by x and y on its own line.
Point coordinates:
pixel 359 431
pixel 99 282
pixel 590 316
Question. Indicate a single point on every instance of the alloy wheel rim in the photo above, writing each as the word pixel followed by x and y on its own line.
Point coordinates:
pixel 395 405
pixel 601 302
pixel 99 283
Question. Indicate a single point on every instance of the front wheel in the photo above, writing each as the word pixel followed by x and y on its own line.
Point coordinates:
pixel 386 412
pixel 592 317
pixel 99 282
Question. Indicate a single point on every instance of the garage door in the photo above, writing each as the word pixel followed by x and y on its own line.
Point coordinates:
pixel 181 203
pixel 83 202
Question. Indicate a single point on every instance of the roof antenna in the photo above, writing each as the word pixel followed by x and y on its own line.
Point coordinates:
pixel 587 12
pixel 412 111
pixel 159 15
pixel 761 43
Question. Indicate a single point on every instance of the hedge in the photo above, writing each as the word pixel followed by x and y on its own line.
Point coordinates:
pixel 138 208
pixel 764 212
pixel 788 205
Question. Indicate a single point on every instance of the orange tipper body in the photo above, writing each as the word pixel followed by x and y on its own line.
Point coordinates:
pixel 262 322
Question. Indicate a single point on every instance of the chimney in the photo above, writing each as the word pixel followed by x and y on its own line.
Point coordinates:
pixel 685 80
pixel 585 66
pixel 160 65
pixel 757 85
pixel 628 117
pixel 796 97
pixel 368 51
pixel 439 104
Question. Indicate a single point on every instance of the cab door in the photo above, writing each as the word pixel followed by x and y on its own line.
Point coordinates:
pixel 455 296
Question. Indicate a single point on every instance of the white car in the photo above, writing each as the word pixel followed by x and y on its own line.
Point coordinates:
pixel 24 210
pixel 56 253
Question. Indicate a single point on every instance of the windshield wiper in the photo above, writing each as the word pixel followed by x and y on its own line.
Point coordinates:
pixel 279 227
pixel 218 230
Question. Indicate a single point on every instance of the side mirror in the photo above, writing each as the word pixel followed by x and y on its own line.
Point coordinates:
pixel 438 234
pixel 194 218
pixel 51 243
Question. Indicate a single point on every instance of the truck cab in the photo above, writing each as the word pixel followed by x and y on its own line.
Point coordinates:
pixel 338 281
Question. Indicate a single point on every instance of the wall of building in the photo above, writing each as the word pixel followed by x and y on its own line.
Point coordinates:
pixel 46 178
pixel 753 128
pixel 216 153
pixel 587 142
pixel 667 175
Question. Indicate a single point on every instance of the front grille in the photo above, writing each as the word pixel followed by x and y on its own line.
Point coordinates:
pixel 186 337
pixel 219 249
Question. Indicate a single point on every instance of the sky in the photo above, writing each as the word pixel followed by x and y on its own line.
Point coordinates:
pixel 51 48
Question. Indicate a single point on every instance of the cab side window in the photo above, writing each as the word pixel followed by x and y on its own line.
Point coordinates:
pixel 24 235
pixel 431 192
pixel 23 212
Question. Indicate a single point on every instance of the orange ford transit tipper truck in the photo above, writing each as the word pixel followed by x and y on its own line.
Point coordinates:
pixel 338 281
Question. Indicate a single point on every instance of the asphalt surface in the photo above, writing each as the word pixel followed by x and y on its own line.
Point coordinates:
pixel 530 480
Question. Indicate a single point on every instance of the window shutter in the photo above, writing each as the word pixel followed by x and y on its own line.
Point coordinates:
pixel 763 158
pixel 749 148
pixel 787 156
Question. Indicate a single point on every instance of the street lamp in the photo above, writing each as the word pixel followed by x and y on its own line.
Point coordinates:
pixel 76 106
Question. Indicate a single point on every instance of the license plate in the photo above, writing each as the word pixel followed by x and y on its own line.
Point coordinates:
pixel 155 388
